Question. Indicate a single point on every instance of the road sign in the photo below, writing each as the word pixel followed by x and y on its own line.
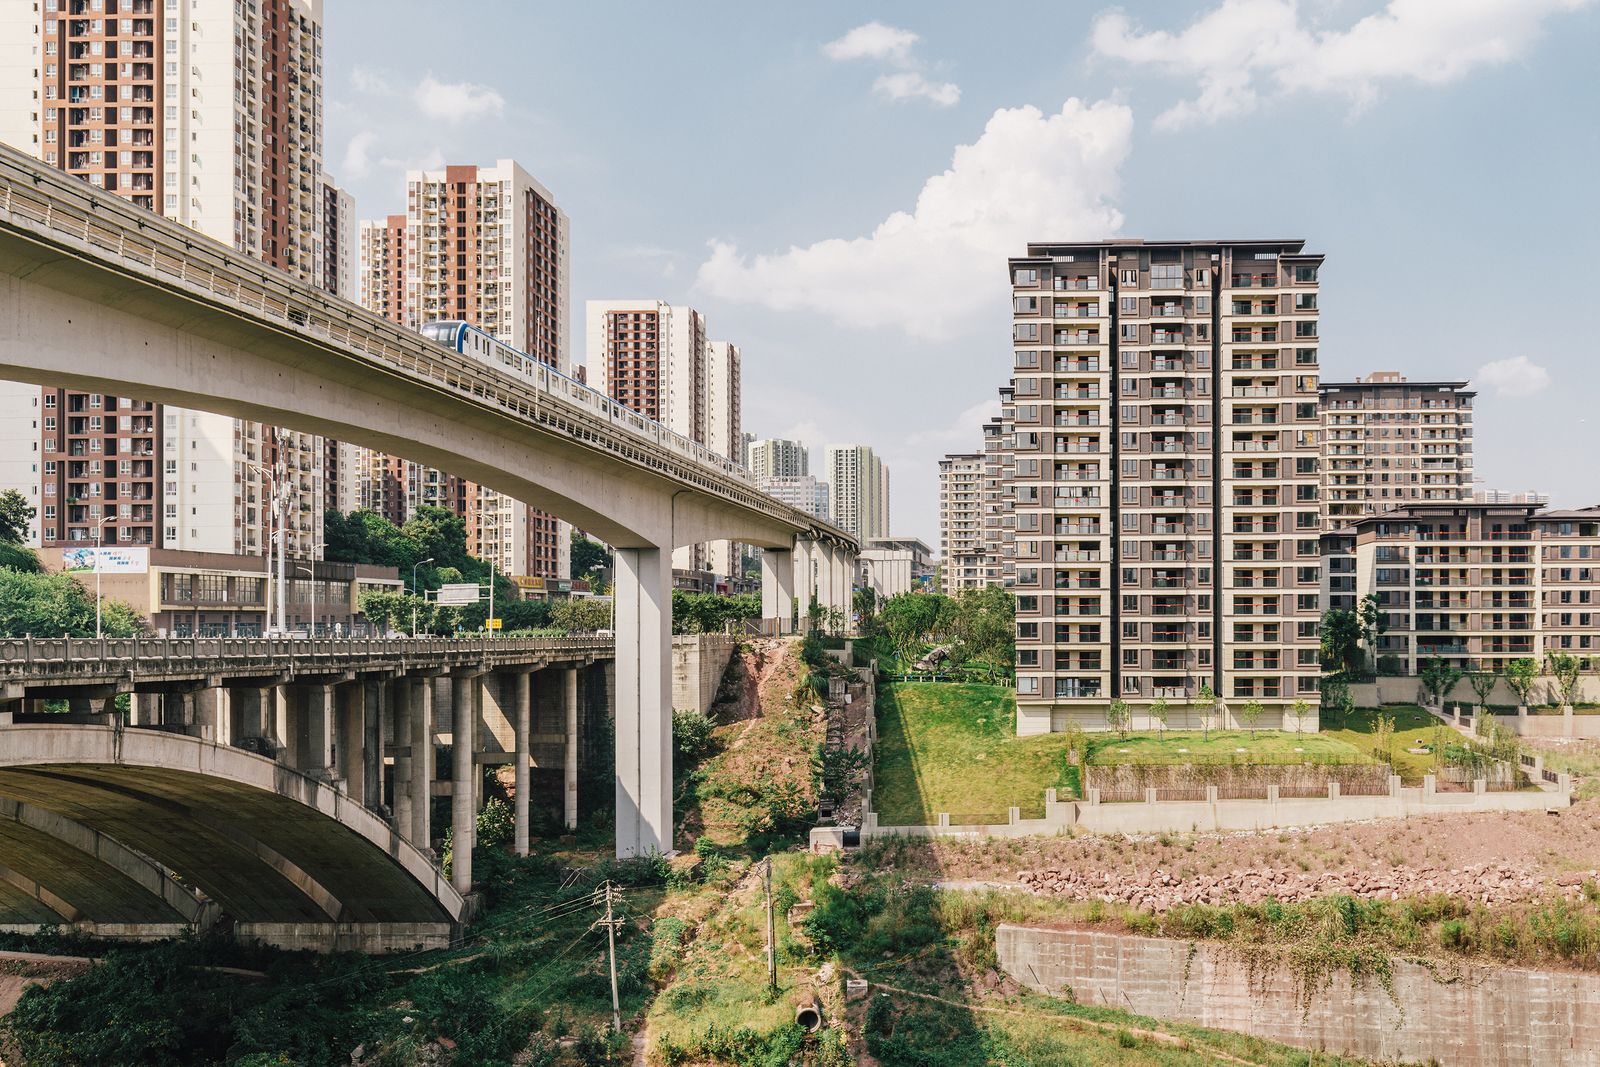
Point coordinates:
pixel 493 624
pixel 455 594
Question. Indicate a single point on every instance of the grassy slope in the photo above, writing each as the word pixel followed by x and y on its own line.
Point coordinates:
pixel 953 748
pixel 1412 727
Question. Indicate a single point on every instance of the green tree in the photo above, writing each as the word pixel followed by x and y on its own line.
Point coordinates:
pixel 1252 713
pixel 581 615
pixel 910 620
pixel 15 515
pixel 589 558
pixel 1301 710
pixel 711 613
pixel 1118 715
pixel 1207 701
pixel 1160 712
pixel 1482 683
pixel 1522 675
pixel 1566 670
pixel 985 624
pixel 56 605
pixel 1438 678
pixel 1341 639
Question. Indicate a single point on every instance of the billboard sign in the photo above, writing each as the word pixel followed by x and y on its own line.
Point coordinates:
pixel 112 560
pixel 456 594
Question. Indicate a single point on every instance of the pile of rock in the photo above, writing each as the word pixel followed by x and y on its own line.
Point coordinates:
pixel 1159 890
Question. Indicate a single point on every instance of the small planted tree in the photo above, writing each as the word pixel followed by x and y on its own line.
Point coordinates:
pixel 1207 699
pixel 1383 738
pixel 1118 715
pixel 1482 683
pixel 1301 710
pixel 1522 675
pixel 1160 713
pixel 1438 678
pixel 1567 671
pixel 1334 694
pixel 1252 713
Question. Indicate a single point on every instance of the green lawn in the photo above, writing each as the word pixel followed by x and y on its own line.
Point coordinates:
pixel 1413 727
pixel 1259 746
pixel 953 748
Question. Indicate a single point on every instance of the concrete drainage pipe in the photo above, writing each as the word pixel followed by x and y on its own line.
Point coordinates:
pixel 808 1016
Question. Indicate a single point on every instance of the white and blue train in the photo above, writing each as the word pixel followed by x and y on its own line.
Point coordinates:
pixel 483 347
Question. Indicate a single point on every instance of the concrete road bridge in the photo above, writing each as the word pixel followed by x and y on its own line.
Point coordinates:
pixel 281 786
pixel 100 295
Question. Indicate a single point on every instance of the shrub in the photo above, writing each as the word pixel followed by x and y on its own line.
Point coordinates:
pixel 692 737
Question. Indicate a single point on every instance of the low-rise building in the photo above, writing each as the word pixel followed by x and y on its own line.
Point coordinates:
pixel 890 566
pixel 214 594
pixel 1479 585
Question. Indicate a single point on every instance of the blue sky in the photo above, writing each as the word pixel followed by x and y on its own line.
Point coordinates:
pixel 837 185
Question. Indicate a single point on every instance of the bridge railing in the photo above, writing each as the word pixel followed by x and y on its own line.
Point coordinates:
pixel 47 656
pixel 36 196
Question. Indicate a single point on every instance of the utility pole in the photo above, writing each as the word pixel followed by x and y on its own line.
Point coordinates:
pixel 772 955
pixel 611 923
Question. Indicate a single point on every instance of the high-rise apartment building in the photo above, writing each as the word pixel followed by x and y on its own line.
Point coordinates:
pixel 211 115
pixel 1166 480
pixel 965 560
pixel 779 458
pixel 487 246
pixel 658 359
pixel 858 491
pixel 1478 585
pixel 1386 442
pixel 997 512
pixel 341 251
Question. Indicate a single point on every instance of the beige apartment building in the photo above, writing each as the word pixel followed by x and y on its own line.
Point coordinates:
pixel 1386 442
pixel 1165 475
pixel 998 503
pixel 777 457
pixel 964 557
pixel 211 115
pixel 1478 585
pixel 858 491
pixel 486 245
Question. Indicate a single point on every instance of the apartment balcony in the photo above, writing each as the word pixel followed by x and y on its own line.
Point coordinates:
pixel 1076 366
pixel 1076 284
pixel 1167 393
pixel 1254 391
pixel 1077 529
pixel 1076 556
pixel 1160 365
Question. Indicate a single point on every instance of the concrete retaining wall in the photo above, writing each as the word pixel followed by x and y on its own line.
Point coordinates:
pixel 1489 1017
pixel 698 662
pixel 1403 689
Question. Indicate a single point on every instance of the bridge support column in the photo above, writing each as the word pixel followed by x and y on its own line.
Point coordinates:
pixel 466 698
pixel 315 740
pixel 569 765
pixel 376 694
pixel 777 588
pixel 420 703
pixel 522 725
pixel 643 601
pixel 805 580
pixel 400 712
pixel 350 738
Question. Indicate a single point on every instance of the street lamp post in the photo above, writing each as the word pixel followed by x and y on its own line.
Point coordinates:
pixel 311 573
pixel 99 528
pixel 414 567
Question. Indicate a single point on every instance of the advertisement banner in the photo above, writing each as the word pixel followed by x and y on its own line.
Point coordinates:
pixel 113 560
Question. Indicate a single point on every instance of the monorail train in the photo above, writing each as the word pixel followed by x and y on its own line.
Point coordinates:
pixel 478 345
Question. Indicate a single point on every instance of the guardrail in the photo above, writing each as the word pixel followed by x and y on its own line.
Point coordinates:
pixel 65 211
pixel 48 658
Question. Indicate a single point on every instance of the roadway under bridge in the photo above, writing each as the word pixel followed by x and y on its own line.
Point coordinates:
pixel 100 295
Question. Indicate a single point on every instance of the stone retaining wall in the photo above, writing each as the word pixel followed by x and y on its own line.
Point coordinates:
pixel 1484 1017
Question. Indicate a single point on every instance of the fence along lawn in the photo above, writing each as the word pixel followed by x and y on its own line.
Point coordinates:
pixel 1223 746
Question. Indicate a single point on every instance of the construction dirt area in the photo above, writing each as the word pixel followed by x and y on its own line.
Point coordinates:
pixel 1492 858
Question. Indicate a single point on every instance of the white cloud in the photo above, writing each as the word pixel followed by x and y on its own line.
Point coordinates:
pixel 1245 50
pixel 369 81
pixel 941 265
pixel 910 85
pixel 892 46
pixel 1518 376
pixel 965 434
pixel 358 155
pixel 874 41
pixel 457 101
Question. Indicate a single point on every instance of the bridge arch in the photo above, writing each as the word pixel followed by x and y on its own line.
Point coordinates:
pixel 284 857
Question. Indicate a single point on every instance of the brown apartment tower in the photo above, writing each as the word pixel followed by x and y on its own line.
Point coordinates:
pixel 212 115
pixel 1164 479
pixel 487 246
